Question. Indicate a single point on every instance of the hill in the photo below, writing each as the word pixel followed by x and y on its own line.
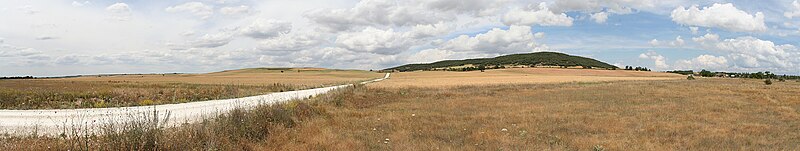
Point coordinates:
pixel 528 59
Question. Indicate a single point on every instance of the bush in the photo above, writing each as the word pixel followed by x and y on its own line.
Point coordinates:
pixel 690 78
pixel 781 80
pixel 768 82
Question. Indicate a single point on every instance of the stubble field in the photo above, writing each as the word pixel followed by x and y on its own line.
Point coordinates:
pixel 135 90
pixel 677 114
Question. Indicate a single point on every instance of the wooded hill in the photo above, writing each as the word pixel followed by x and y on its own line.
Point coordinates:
pixel 529 59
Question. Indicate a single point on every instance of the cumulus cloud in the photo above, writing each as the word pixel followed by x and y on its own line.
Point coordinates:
pixel 600 17
pixel 372 40
pixel 538 16
pixel 195 8
pixel 708 62
pixel 119 11
pixel 658 60
pixel 794 10
pixel 7 50
pixel 613 6
pixel 694 29
pixel 753 53
pixel 678 42
pixel 266 28
pixel 496 41
pixel 725 16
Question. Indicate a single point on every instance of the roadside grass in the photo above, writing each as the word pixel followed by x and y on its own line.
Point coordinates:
pixel 51 94
pixel 702 114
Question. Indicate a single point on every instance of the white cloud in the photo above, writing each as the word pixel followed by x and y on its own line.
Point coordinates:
pixel 28 9
pixel 239 10
pixel 429 30
pixel 119 11
pixel 266 28
pixel 600 17
pixel 750 53
pixel 538 35
pixel 292 42
pixel 658 60
pixel 707 62
pixel 80 4
pixel 725 16
pixel 654 42
pixel 794 10
pixel 612 6
pixel 496 41
pixel 372 40
pixel 694 29
pixel 7 50
pixel 678 42
pixel 389 13
pixel 195 8
pixel 539 16
pixel 212 40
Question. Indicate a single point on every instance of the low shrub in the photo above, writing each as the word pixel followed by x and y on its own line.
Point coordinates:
pixel 768 82
pixel 690 78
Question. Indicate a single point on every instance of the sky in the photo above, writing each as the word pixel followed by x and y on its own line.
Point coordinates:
pixel 57 37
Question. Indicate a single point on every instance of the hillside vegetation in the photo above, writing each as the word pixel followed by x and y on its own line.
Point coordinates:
pixel 529 59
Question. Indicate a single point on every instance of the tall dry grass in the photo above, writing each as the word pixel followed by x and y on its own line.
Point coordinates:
pixel 702 114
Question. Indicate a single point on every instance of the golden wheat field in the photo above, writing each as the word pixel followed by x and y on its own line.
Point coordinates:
pixel 517 76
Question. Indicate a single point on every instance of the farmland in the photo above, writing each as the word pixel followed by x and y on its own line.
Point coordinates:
pixel 135 90
pixel 517 76
pixel 660 112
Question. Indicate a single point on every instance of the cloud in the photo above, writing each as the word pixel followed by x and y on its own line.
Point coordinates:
pixel 694 29
pixel 7 50
pixel 28 9
pixel 429 30
pixel 402 13
pixel 239 10
pixel 658 59
pixel 678 42
pixel 750 53
pixel 119 11
pixel 539 16
pixel 725 16
pixel 612 6
pixel 707 62
pixel 794 12
pixel 496 41
pixel 80 4
pixel 372 40
pixel 212 40
pixel 292 42
pixel 654 42
pixel 266 28
pixel 195 8
pixel 600 17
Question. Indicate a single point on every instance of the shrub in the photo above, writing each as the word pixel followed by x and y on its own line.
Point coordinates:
pixel 781 80
pixel 690 78
pixel 768 82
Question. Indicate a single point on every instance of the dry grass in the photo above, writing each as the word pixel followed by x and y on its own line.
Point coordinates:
pixel 134 90
pixel 703 114
pixel 517 76
pixel 308 77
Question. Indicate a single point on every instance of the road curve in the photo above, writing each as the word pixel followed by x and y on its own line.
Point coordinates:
pixel 58 121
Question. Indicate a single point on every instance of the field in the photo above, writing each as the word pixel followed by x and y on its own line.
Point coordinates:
pixel 517 76
pixel 702 114
pixel 134 90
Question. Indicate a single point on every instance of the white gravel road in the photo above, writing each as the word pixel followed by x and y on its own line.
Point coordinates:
pixel 58 121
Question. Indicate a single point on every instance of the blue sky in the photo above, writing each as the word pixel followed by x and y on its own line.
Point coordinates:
pixel 52 38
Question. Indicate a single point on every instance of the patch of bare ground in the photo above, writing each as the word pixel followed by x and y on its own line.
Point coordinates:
pixel 703 114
